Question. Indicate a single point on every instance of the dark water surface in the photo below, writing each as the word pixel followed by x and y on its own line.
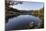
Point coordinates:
pixel 21 21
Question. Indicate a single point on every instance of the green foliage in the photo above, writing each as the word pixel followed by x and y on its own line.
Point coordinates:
pixel 40 14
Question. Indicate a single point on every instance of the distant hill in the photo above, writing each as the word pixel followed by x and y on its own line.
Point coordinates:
pixel 11 12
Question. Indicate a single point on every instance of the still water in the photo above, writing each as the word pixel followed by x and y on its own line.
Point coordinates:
pixel 21 21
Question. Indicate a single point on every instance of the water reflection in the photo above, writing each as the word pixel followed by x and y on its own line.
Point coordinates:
pixel 23 22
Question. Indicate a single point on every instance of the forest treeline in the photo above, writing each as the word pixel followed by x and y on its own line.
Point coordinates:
pixel 40 14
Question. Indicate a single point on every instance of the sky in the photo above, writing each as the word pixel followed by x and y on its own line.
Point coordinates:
pixel 28 6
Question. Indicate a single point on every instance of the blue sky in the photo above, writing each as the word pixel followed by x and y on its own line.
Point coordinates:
pixel 29 6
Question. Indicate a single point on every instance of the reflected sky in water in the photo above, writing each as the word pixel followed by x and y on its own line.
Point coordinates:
pixel 22 21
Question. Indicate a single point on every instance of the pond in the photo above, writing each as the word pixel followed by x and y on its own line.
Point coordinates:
pixel 22 22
